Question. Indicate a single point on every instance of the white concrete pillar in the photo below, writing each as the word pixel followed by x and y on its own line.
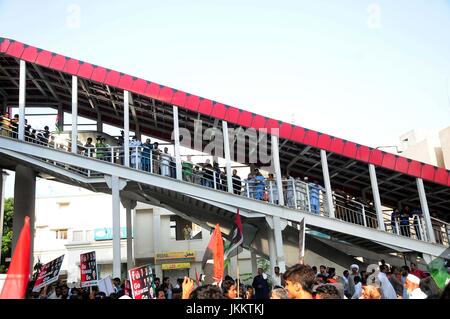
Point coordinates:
pixel 376 197
pixel 74 113
pixel 425 211
pixel 254 263
pixel 272 251
pixel 176 137
pixel 326 179
pixel 277 167
pixel 115 189
pixel 156 231
pixel 3 176
pixel 126 128
pixel 22 91
pixel 226 144
pixel 277 230
pixel 129 206
pixel 24 205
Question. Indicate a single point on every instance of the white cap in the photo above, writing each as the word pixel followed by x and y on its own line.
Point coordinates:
pixel 354 266
pixel 413 279
pixel 125 297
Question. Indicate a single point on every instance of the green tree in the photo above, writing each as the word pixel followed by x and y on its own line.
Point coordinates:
pixel 7 234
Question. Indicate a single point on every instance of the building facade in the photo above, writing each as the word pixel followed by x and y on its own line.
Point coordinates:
pixel 78 223
pixel 428 146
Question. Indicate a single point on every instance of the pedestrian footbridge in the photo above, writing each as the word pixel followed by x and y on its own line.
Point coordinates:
pixel 207 206
pixel 355 200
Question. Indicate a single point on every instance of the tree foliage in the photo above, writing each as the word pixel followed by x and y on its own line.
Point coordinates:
pixel 7 234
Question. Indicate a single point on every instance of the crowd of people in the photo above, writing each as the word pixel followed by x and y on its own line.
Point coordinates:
pixel 298 282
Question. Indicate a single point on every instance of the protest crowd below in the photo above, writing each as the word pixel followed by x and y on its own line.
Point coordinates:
pixel 298 282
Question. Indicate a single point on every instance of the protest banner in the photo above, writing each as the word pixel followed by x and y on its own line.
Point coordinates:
pixel 141 282
pixel 88 267
pixel 49 273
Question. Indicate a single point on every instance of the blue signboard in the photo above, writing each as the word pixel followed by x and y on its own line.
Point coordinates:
pixel 107 234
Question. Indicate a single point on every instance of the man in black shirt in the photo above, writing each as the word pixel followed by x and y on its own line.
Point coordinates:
pixel 237 184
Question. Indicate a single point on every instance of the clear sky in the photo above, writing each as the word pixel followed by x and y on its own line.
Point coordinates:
pixel 366 71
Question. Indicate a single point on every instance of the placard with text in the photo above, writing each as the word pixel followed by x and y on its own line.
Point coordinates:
pixel 141 282
pixel 49 273
pixel 88 267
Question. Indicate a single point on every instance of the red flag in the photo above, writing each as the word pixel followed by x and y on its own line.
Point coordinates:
pixel 214 255
pixel 15 286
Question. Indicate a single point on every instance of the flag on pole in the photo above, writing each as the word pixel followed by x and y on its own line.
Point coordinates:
pixel 58 128
pixel 213 259
pixel 438 272
pixel 15 286
pixel 196 278
pixel 237 237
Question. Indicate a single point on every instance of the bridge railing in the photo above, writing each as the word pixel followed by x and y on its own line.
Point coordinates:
pixel 299 195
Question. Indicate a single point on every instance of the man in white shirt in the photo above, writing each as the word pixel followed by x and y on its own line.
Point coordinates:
pixel 412 284
pixel 358 287
pixel 388 292
pixel 277 278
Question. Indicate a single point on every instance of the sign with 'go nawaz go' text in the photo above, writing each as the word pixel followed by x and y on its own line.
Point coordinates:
pixel 141 282
pixel 88 266
pixel 49 273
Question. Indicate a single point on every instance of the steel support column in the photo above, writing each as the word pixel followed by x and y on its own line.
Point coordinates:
pixel 126 128
pixel 74 113
pixel 272 251
pixel 326 179
pixel 176 137
pixel 129 206
pixel 254 263
pixel 226 144
pixel 116 185
pixel 425 211
pixel 276 165
pixel 277 231
pixel 22 91
pixel 376 197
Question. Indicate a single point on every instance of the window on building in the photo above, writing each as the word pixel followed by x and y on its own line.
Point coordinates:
pixel 77 235
pixel 182 229
pixel 173 229
pixel 61 234
pixel 88 235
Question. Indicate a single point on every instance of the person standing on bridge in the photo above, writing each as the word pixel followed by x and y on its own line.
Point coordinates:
pixel 165 162
pixel 135 149
pixel 89 148
pixel 6 130
pixel 260 184
pixel 237 184
pixel 156 153
pixel 273 190
pixel 146 153
pixel 188 169
pixel 314 191
pixel 405 214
